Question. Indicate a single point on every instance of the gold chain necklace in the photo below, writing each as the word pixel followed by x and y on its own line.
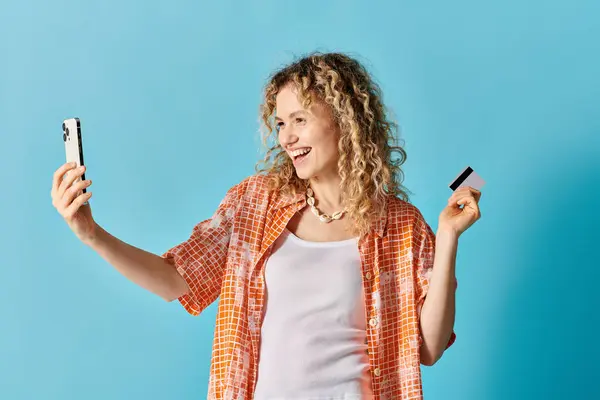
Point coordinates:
pixel 322 217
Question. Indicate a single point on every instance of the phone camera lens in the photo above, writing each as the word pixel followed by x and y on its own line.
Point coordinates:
pixel 67 130
pixel 64 137
pixel 64 126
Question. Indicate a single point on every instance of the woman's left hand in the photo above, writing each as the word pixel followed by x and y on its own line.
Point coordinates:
pixel 456 219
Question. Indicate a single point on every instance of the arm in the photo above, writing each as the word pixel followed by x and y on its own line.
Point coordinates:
pixel 438 311
pixel 148 270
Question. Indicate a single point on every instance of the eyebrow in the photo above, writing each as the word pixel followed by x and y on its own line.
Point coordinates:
pixel 292 115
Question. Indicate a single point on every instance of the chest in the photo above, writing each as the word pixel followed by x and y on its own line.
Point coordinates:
pixel 383 279
pixel 305 225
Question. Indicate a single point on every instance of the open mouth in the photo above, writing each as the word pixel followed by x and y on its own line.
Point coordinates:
pixel 302 155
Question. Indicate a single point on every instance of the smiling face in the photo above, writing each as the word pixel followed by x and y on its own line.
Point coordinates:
pixel 309 136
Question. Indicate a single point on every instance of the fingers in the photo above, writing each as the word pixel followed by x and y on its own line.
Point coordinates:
pixel 73 192
pixel 458 200
pixel 467 196
pixel 461 192
pixel 74 206
pixel 476 193
pixel 64 191
pixel 58 177
pixel 69 179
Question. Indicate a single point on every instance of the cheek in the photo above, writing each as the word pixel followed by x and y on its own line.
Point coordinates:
pixel 327 152
pixel 322 138
pixel 331 144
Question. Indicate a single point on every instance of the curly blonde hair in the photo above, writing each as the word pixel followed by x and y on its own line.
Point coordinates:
pixel 366 144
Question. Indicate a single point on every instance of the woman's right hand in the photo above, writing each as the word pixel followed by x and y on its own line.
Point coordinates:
pixel 70 205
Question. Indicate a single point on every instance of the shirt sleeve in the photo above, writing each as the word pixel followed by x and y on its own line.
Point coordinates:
pixel 424 255
pixel 201 260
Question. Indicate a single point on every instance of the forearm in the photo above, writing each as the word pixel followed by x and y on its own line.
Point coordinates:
pixel 145 269
pixel 438 311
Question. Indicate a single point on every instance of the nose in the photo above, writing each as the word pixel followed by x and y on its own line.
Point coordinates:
pixel 287 137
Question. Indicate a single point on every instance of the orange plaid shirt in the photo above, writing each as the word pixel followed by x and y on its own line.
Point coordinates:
pixel 225 256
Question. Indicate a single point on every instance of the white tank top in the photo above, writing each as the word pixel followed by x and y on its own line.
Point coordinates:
pixel 314 329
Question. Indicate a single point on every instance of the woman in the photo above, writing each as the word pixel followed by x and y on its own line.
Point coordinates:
pixel 326 274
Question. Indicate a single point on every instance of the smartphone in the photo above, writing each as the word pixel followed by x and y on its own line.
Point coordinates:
pixel 73 145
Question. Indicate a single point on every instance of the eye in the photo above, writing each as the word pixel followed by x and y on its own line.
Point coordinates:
pixel 278 126
pixel 299 120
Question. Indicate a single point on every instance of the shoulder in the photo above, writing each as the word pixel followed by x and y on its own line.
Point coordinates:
pixel 252 187
pixel 404 217
pixel 402 210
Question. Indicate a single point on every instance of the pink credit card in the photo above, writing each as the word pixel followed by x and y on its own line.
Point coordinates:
pixel 467 177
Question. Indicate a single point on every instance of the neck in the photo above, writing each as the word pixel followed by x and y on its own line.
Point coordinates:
pixel 327 194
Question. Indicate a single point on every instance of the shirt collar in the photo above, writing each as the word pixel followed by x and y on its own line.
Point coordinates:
pixel 378 225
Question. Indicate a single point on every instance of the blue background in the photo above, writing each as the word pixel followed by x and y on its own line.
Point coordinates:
pixel 168 95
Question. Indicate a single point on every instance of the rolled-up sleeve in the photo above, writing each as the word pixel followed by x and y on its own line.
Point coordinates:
pixel 423 242
pixel 201 260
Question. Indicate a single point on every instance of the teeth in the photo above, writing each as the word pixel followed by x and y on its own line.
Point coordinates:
pixel 298 152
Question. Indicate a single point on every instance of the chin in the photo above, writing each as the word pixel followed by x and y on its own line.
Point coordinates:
pixel 302 174
pixel 306 172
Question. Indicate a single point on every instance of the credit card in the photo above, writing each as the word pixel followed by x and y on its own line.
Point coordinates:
pixel 467 177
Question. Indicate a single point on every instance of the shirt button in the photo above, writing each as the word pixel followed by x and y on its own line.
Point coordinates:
pixel 372 322
pixel 377 371
pixel 368 275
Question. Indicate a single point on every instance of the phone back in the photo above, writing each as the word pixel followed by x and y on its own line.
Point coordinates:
pixel 73 144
